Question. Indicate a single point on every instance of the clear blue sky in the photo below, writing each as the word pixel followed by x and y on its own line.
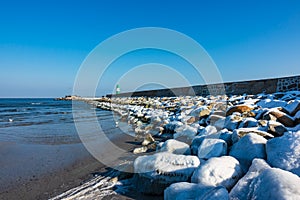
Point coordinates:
pixel 43 43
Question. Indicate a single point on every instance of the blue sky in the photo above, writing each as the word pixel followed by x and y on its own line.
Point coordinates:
pixel 43 43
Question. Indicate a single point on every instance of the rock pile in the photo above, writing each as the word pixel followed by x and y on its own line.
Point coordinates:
pixel 216 147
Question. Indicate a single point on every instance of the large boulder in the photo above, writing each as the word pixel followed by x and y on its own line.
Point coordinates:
pixel 176 147
pixel 284 152
pixel 185 190
pixel 211 147
pixel 241 189
pixel 275 184
pixel 219 171
pixel 247 148
pixel 154 173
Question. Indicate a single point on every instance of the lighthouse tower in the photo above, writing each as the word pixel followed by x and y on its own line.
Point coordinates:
pixel 118 90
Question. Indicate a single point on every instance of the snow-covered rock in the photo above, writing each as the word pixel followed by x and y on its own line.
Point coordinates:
pixel 185 190
pixel 196 142
pixel 284 152
pixel 156 172
pixel 241 132
pixel 276 128
pixel 241 189
pixel 148 139
pixel 185 131
pixel 208 130
pixel 269 103
pixel 176 147
pixel 232 122
pixel 280 116
pixel 293 107
pixel 170 127
pixel 200 112
pixel 247 148
pixel 212 148
pixel 218 171
pixel 248 123
pixel 275 184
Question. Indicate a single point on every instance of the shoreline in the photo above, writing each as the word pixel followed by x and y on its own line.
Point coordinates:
pixel 76 171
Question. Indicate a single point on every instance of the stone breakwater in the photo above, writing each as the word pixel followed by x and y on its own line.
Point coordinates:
pixel 272 85
pixel 215 147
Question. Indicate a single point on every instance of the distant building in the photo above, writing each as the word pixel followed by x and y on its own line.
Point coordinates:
pixel 118 90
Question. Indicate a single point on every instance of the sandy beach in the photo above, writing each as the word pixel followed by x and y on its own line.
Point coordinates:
pixel 44 171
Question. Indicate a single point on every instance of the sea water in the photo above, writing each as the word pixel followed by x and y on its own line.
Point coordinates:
pixel 47 121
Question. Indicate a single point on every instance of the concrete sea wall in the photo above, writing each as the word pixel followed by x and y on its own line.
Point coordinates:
pixel 249 87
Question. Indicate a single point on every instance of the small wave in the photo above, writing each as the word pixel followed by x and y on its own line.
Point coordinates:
pixel 36 103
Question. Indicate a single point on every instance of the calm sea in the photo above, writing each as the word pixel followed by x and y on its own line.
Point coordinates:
pixel 45 121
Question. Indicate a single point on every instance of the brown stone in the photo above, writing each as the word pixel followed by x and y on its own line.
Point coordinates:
pixel 191 120
pixel 281 117
pixel 238 108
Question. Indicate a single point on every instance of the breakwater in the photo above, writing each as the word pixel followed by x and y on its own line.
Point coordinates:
pixel 268 86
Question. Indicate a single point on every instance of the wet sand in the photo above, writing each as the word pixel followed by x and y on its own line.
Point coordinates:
pixel 30 171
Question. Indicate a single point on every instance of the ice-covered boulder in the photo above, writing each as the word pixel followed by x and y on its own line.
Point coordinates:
pixel 211 147
pixel 185 190
pixel 218 171
pixel 275 184
pixel 247 148
pixel 176 147
pixel 241 189
pixel 154 173
pixel 284 152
